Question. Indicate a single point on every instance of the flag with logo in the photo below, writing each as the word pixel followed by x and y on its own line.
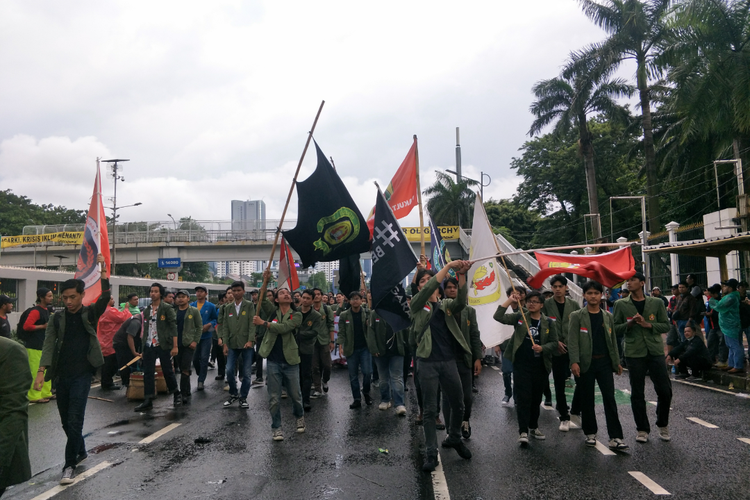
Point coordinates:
pixel 609 268
pixel 95 242
pixel 392 259
pixel 487 280
pixel 440 254
pixel 287 270
pixel 329 224
pixel 401 193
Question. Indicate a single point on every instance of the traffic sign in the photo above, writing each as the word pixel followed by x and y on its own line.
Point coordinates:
pixel 169 263
pixel 171 276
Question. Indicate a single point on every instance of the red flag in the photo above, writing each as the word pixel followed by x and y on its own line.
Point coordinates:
pixel 95 241
pixel 401 193
pixel 287 269
pixel 607 268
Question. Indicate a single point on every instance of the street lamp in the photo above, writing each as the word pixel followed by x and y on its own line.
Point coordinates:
pixel 173 221
pixel 115 167
pixel 114 230
pixel 482 185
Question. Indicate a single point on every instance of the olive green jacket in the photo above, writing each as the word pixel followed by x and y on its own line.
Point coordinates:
pixel 307 334
pixel 346 331
pixel 470 329
pixel 325 327
pixel 547 332
pixel 421 313
pixel 552 312
pixel 281 324
pixel 236 330
pixel 639 341
pixel 581 343
pixel 192 328
pixel 378 333
pixel 54 336
pixel 14 413
pixel 166 325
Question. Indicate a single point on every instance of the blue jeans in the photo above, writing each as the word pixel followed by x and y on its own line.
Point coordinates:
pixel 736 352
pixel 278 374
pixel 391 370
pixel 681 328
pixel 202 353
pixel 72 396
pixel 360 358
pixel 246 370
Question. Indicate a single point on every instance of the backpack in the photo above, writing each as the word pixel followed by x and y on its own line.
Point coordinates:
pixel 744 315
pixel 20 332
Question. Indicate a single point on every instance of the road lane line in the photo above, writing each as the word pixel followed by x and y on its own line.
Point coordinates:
pixel 604 450
pixel 745 440
pixel 703 423
pixel 495 368
pixel 704 387
pixel 80 477
pixel 548 408
pixel 439 484
pixel 649 483
pixel 156 435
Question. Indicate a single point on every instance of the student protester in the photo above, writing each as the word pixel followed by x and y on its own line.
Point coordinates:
pixel 297 298
pixel 532 359
pixel 439 341
pixel 282 357
pixel 131 303
pixel 507 365
pixel 237 335
pixel 6 307
pixel 729 323
pixel 594 357
pixel 189 331
pixel 353 344
pixel 642 320
pixel 387 348
pixel 15 467
pixel 109 323
pixel 33 334
pixel 307 335
pixel 169 298
pixel 324 345
pixel 159 342
pixel 209 316
pixel 127 344
pixel 691 355
pixel 558 309
pixel 217 350
pixel 71 354
pixel 468 366
pixel 260 331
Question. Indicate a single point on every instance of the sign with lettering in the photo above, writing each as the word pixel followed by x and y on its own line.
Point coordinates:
pixel 66 237
pixel 447 232
pixel 169 263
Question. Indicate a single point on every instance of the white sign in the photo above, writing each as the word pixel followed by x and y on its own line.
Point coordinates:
pixel 171 276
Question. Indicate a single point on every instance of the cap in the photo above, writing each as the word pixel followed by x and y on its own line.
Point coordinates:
pixel 183 292
pixel 4 299
pixel 731 283
pixel 715 288
pixel 656 288
pixel 201 287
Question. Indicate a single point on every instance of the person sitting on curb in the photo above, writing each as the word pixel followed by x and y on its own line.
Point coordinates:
pixel 691 354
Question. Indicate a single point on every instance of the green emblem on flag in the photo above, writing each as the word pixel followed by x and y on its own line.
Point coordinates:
pixel 341 227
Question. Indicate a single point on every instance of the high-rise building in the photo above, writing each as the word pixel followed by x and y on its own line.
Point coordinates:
pixel 248 215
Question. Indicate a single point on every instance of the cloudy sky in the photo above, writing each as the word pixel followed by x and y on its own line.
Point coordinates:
pixel 212 101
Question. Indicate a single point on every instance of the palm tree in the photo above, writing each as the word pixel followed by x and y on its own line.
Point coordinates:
pixel 582 89
pixel 636 31
pixel 450 202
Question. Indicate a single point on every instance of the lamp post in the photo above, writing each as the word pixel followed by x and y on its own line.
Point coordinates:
pixel 117 177
pixel 482 185
pixel 114 230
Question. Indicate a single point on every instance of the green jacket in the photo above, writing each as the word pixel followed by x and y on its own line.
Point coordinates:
pixel 470 329
pixel 378 334
pixel 548 335
pixel 236 330
pixel 14 413
pixel 307 334
pixel 325 328
pixel 54 336
pixel 552 312
pixel 281 324
pixel 639 341
pixel 192 328
pixel 346 330
pixel 580 341
pixel 421 313
pixel 166 325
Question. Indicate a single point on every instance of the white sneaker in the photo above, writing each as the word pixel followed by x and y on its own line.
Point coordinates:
pixel 316 395
pixel 642 437
pixel 537 434
pixel 67 476
pixel 664 433
pixel 384 405
pixel 617 444
pixel 506 402
pixel 523 438
pixel 301 425
pixel 278 435
pixel 401 411
pixel 564 425
pixel 590 439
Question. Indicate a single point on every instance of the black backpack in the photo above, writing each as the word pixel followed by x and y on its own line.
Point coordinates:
pixel 20 332
pixel 744 315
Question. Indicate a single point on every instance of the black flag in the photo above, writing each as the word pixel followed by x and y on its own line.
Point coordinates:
pixel 329 224
pixel 392 260
pixel 349 274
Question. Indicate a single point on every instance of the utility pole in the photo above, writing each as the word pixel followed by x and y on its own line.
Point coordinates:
pixel 116 178
pixel 458 156
pixel 741 200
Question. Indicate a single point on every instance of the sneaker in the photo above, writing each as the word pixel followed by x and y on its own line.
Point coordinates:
pixel 506 402
pixel 278 435
pixel 229 402
pixel 67 476
pixel 368 399
pixel 177 398
pixel 474 389
pixel 81 457
pixel 307 406
pixel 211 366
pixel 325 386
pixel 384 405
pixel 301 425
pixel 537 434
pixel 430 462
pixel 401 411
pixel 523 439
pixel 564 425
pixel 200 386
pixel 219 377
pixel 465 429
pixel 642 437
pixel 617 444
pixel 376 383
pixel 257 383
pixel 283 394
pixel 243 404
pixel 356 404
pixel 460 448
pixel 664 433
pixel 575 420
pixel 186 400
pixel 590 439
pixel 226 387
pixel 316 395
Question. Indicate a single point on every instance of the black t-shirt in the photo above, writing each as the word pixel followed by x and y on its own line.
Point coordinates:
pixel 526 353
pixel 4 327
pixel 73 359
pixel 560 310
pixel 639 305
pixel 599 347
pixel 180 325
pixel 277 352
pixel 131 327
pixel 391 344
pixel 359 332
pixel 444 344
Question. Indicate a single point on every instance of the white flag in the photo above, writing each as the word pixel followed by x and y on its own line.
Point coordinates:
pixel 487 280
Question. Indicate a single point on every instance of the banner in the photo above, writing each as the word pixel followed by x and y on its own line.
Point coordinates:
pixel 66 238
pixel 446 232
pixel 608 268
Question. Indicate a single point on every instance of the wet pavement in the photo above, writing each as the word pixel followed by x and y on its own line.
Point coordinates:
pixel 211 452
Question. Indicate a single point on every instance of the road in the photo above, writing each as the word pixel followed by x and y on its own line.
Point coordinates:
pixel 338 456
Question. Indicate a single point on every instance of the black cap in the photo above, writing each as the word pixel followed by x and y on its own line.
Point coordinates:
pixel 732 283
pixel 201 287
pixel 4 299
pixel 743 283
pixel 715 288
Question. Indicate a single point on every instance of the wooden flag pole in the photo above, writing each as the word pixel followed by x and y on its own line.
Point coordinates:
pixel 419 200
pixel 102 265
pixel 262 294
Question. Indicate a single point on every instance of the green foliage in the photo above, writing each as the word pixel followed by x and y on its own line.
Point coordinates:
pixel 450 203
pixel 513 220
pixel 318 280
pixel 19 211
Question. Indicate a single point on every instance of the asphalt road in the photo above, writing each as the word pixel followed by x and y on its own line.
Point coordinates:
pixel 338 456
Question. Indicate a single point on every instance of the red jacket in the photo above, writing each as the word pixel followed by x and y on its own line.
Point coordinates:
pixel 109 323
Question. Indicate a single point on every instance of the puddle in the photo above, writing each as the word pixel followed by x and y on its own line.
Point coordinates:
pixel 103 447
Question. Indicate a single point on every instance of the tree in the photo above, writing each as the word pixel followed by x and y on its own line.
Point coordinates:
pixel 636 31
pixel 451 203
pixel 582 89
pixel 513 220
pixel 318 280
pixel 19 211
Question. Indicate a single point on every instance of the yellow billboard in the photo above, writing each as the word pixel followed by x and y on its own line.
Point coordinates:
pixel 447 232
pixel 67 238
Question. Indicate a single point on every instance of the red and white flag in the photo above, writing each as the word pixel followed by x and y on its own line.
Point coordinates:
pixel 287 270
pixel 607 268
pixel 95 241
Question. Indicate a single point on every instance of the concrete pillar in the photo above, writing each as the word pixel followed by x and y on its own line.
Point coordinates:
pixel 26 294
pixel 116 293
pixel 674 259
pixel 643 235
pixel 575 276
pixel 622 239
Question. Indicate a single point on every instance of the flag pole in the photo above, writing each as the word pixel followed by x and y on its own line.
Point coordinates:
pixel 262 294
pixel 419 199
pixel 99 213
pixel 569 247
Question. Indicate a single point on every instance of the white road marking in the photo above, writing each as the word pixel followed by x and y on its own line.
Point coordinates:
pixel 745 440
pixel 652 403
pixel 625 391
pixel 703 423
pixel 705 387
pixel 604 450
pixel 156 435
pixel 548 408
pixel 439 484
pixel 649 483
pixel 495 368
pixel 80 477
